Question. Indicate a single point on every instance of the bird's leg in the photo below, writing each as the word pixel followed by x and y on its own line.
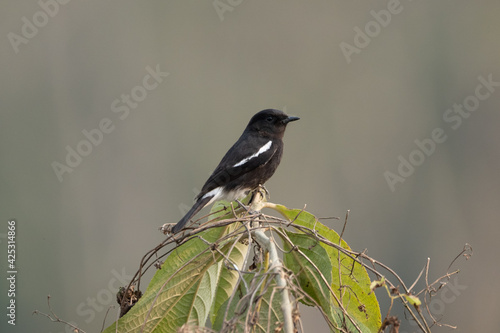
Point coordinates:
pixel 256 196
pixel 256 203
pixel 258 199
pixel 264 190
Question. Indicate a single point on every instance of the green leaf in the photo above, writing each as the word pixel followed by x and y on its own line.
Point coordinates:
pixel 228 278
pixel 315 281
pixel 186 287
pixel 311 267
pixel 260 314
pixel 377 284
pixel 414 300
pixel 355 293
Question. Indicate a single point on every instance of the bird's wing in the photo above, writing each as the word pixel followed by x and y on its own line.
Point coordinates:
pixel 240 159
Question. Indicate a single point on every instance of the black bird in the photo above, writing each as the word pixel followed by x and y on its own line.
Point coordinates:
pixel 250 162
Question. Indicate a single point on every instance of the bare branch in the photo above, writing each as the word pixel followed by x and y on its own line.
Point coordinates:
pixel 54 318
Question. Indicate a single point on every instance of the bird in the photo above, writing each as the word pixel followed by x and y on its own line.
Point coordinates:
pixel 248 164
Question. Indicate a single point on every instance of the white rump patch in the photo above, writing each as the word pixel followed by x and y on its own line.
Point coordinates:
pixel 216 193
pixel 263 149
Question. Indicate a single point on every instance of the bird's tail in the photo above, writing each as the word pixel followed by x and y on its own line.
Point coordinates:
pixel 198 205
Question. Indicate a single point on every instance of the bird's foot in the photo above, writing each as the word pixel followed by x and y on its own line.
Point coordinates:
pixel 258 199
pixel 263 190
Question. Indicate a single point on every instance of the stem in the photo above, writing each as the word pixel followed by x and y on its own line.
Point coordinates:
pixel 275 266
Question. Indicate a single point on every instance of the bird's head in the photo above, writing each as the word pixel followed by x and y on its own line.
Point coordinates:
pixel 270 123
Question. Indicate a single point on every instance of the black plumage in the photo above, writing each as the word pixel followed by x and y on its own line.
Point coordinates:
pixel 250 162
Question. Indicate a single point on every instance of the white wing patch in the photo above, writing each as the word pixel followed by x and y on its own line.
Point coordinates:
pixel 263 149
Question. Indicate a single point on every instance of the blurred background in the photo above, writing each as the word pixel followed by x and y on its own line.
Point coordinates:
pixel 113 114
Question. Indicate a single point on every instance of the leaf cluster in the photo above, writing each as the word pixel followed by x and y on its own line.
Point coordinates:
pixel 220 275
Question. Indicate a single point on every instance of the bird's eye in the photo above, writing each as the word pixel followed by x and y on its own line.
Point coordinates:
pixel 269 119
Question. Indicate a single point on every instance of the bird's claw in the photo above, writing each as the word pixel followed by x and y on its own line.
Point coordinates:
pixel 264 191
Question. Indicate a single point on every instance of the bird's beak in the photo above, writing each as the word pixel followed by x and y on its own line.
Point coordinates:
pixel 289 119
